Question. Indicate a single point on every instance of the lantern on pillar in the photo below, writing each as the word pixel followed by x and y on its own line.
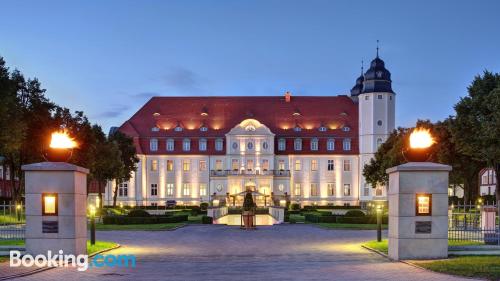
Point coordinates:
pixel 419 146
pixel 60 148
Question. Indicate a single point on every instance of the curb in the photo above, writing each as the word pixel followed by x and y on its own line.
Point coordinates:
pixel 378 252
pixel 38 270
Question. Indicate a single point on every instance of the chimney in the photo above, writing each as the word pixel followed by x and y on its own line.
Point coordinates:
pixel 288 96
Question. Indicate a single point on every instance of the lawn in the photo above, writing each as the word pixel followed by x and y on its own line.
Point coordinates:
pixel 195 219
pixel 156 226
pixel 383 247
pixel 487 267
pixel 10 219
pixel 11 242
pixel 350 226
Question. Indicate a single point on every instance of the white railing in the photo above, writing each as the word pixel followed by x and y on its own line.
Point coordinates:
pixel 216 212
pixel 278 213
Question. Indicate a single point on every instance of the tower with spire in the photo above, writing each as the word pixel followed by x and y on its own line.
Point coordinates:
pixel 376 107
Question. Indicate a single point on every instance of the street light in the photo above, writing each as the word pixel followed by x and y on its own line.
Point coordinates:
pixel 379 223
pixel 18 211
pixel 92 224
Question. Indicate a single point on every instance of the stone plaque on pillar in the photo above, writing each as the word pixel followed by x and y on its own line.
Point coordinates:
pixel 56 196
pixel 418 211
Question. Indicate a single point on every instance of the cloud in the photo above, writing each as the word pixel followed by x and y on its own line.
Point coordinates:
pixel 114 112
pixel 183 80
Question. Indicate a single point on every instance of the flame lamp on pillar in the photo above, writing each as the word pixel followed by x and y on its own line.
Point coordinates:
pixel 60 148
pixel 419 147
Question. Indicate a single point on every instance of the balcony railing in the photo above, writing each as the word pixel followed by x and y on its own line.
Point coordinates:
pixel 225 173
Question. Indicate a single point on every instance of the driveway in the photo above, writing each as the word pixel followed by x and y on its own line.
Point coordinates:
pixel 212 252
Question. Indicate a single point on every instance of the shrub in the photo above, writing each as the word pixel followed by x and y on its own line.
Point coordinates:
pixel 294 206
pixel 204 206
pixel 354 213
pixel 138 213
pixel 144 220
pixel 207 220
pixel 292 220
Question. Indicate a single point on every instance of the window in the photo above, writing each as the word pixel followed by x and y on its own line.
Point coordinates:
pixel 186 145
pixel 170 165
pixel 153 144
pixel 314 144
pixel 379 142
pixel 322 129
pixel 281 187
pixel 203 189
pixel 250 164
pixel 170 189
pixel 331 188
pixel 218 164
pixel 314 165
pixel 379 122
pixel 154 165
pixel 186 189
pixel 281 165
pixel 281 144
pixel 203 165
pixel 170 145
pixel 347 165
pixel 123 189
pixel 296 191
pixel 379 97
pixel 331 165
pixel 330 144
pixel 154 189
pixel 154 204
pixel 265 164
pixel 219 144
pixel 297 165
pixel 423 205
pixel 347 189
pixel 265 146
pixel 347 144
pixel 297 129
pixel 186 165
pixel 235 164
pixel 378 191
pixel 203 129
pixel 367 97
pixel 346 128
pixel 155 129
pixel 297 144
pixel 390 97
pixel 250 145
pixel 178 128
pixel 314 189
pixel 202 145
pixel 366 190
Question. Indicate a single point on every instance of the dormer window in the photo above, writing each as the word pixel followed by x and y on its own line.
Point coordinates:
pixel 178 128
pixel 314 144
pixel 186 145
pixel 322 129
pixel 203 129
pixel 346 129
pixel 297 129
pixel 155 129
pixel 347 144
pixel 153 144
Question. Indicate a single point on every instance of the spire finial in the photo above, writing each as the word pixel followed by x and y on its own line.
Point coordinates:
pixel 362 67
pixel 377 48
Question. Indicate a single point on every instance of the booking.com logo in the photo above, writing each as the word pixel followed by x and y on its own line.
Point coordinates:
pixel 81 262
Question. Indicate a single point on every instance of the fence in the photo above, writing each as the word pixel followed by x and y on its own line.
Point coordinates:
pixel 475 223
pixel 12 221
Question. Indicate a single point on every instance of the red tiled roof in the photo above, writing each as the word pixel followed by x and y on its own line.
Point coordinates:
pixel 225 112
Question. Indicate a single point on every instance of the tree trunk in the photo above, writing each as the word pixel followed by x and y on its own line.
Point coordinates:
pixel 115 193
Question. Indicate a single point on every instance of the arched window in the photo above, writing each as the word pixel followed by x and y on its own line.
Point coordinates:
pixel 202 145
pixel 379 142
pixel 347 144
pixel 297 144
pixel 330 144
pixel 314 144
pixel 219 144
pixel 186 145
pixel 153 144
pixel 170 145
pixel 155 129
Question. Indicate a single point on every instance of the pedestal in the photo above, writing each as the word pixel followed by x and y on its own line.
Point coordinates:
pixel 65 227
pixel 418 229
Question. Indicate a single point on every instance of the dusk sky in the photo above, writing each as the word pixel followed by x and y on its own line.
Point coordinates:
pixel 108 58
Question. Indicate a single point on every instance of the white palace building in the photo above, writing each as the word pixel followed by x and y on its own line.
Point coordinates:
pixel 307 149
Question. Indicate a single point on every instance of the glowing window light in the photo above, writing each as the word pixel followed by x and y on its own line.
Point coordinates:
pixel 49 204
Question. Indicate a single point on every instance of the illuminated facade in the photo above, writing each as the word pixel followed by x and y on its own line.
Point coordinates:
pixel 307 149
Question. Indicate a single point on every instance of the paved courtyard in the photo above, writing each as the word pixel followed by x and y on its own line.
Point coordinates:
pixel 284 252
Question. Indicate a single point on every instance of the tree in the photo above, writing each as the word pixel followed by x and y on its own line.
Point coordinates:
pixel 129 159
pixel 476 127
pixel 107 163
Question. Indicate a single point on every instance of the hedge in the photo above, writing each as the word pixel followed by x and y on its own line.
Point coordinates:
pixel 144 220
pixel 207 220
pixel 316 218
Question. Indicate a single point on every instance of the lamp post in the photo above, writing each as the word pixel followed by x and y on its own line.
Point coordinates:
pixel 92 224
pixel 18 211
pixel 379 223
